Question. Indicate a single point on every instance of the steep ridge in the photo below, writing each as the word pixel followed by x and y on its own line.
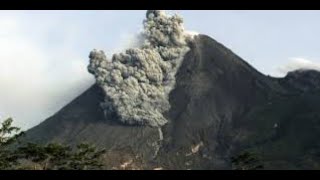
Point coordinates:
pixel 219 107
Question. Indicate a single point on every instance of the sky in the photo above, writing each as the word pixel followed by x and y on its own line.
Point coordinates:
pixel 44 54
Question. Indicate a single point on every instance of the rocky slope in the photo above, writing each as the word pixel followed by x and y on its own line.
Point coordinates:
pixel 219 107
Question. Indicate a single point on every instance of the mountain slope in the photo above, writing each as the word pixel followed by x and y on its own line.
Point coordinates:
pixel 220 106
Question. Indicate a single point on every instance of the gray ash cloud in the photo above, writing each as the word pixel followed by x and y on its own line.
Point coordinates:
pixel 137 82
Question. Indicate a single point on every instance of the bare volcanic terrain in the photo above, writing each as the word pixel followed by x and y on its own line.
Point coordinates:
pixel 220 106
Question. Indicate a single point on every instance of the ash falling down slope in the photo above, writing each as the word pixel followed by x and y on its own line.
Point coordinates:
pixel 187 102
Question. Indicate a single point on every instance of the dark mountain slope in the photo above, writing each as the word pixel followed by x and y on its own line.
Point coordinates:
pixel 220 106
pixel 82 121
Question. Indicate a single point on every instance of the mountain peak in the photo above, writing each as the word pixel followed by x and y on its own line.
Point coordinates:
pixel 213 88
pixel 217 105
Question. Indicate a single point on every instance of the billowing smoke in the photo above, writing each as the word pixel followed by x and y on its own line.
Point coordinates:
pixel 138 81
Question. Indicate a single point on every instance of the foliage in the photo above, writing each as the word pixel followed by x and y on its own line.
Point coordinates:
pixel 52 156
pixel 60 157
pixel 246 161
pixel 8 135
pixel 86 157
pixel 48 157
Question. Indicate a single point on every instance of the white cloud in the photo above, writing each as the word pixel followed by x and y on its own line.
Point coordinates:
pixel 294 64
pixel 34 83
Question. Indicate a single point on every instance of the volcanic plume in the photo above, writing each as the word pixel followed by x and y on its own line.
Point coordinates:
pixel 138 81
pixel 188 102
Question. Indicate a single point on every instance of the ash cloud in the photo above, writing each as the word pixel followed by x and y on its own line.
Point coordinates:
pixel 138 81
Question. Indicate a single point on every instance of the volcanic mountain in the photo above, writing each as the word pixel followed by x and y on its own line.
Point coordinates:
pixel 220 106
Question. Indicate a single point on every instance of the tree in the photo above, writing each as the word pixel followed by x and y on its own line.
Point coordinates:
pixel 46 157
pixel 87 157
pixel 61 157
pixel 8 136
pixel 246 161
pixel 52 156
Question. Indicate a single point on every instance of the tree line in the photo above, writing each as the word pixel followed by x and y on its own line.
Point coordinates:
pixel 15 155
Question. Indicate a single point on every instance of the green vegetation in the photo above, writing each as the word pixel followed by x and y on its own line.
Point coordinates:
pixel 53 156
pixel 246 161
pixel 8 135
pixel 86 157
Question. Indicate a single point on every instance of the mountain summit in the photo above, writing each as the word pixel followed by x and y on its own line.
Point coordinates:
pixel 218 106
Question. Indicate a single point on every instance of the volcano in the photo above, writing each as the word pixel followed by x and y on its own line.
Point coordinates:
pixel 220 106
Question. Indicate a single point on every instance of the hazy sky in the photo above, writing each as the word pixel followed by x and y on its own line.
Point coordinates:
pixel 44 54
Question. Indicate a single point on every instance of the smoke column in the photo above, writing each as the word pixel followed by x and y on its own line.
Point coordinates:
pixel 138 81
